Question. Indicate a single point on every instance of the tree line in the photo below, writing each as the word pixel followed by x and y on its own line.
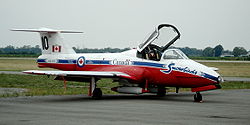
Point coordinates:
pixel 26 49
pixel 217 51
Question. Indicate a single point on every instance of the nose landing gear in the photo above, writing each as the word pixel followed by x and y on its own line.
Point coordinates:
pixel 198 97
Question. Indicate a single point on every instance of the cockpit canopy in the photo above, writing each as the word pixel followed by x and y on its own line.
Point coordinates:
pixel 160 32
pixel 151 49
pixel 173 54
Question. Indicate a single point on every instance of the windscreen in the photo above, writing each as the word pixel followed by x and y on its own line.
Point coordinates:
pixel 174 54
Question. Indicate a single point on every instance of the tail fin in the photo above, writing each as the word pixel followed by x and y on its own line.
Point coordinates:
pixel 52 42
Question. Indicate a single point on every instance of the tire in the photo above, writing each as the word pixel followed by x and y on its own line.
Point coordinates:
pixel 97 93
pixel 161 91
pixel 197 97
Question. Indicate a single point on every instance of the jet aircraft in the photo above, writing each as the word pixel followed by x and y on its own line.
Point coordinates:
pixel 150 68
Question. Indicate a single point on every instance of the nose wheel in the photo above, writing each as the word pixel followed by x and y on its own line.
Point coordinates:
pixel 198 97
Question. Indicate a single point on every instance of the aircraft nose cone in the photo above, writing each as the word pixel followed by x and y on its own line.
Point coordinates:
pixel 220 79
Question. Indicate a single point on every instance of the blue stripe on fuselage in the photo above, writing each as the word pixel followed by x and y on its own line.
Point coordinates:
pixel 63 61
pixel 208 76
pixel 97 62
pixel 41 60
pixel 66 61
pixel 158 65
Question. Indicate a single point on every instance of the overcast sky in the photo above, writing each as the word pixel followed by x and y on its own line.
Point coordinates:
pixel 126 23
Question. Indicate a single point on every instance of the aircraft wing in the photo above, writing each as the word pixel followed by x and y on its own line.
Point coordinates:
pixel 101 74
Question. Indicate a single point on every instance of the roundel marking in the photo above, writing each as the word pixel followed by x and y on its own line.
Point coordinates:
pixel 81 61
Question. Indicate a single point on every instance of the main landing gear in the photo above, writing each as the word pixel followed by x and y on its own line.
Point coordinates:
pixel 96 93
pixel 198 97
pixel 161 91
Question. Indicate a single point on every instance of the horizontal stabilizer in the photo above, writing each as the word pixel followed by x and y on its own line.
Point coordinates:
pixel 46 30
pixel 52 42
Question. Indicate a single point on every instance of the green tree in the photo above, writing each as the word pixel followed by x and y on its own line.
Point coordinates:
pixel 218 50
pixel 9 49
pixel 191 51
pixel 208 52
pixel 237 51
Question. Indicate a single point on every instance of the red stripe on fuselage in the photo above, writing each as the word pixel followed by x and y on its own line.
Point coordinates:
pixel 152 74
pixel 61 66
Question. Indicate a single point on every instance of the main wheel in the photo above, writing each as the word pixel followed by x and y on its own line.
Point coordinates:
pixel 97 93
pixel 198 97
pixel 161 91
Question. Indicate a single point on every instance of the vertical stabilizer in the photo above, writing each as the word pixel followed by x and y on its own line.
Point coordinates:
pixel 52 42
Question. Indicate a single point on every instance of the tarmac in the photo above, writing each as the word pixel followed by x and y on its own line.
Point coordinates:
pixel 224 107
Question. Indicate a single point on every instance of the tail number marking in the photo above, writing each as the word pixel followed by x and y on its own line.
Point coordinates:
pixel 45 43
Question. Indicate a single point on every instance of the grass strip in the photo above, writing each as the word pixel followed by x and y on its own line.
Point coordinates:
pixel 42 85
